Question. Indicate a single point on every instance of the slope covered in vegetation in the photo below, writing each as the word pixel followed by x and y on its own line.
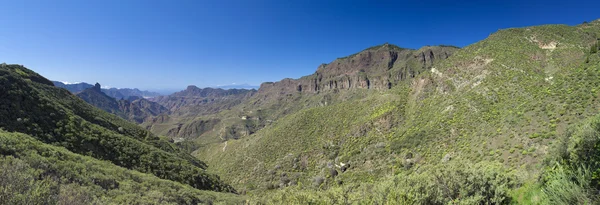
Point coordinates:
pixel 30 104
pixel 32 172
pixel 499 103
pixel 350 78
pixel 500 121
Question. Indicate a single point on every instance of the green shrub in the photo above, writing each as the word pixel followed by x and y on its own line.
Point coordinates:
pixel 455 182
pixel 567 185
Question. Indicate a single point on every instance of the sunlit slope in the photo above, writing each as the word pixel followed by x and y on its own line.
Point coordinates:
pixel 33 172
pixel 31 104
pixel 502 100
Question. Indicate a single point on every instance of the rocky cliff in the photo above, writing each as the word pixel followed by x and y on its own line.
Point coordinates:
pixel 378 67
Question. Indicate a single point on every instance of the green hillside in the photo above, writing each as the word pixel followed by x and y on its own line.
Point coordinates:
pixel 511 119
pixel 344 79
pixel 31 104
pixel 500 103
pixel 97 98
pixel 32 172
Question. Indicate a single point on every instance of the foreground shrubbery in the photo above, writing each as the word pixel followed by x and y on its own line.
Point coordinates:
pixel 455 182
pixel 32 172
pixel 572 174
pixel 569 176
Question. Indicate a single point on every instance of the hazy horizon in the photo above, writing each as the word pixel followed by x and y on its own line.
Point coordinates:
pixel 168 91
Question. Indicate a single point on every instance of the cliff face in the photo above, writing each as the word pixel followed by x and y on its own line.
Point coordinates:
pixel 197 113
pixel 379 67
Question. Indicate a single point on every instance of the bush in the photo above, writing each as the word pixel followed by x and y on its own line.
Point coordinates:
pixel 455 182
pixel 564 185
pixel 32 172
pixel 18 184
pixel 570 175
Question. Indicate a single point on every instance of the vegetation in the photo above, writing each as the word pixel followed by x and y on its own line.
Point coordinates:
pixel 503 100
pixel 32 172
pixel 31 104
pixel 512 119
pixel 568 177
pixel 570 174
pixel 452 183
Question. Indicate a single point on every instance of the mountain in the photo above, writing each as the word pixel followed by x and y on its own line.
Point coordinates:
pixel 60 131
pixel 72 87
pixel 117 93
pixel 97 98
pixel 238 86
pixel 190 110
pixel 125 93
pixel 378 67
pixel 355 84
pixel 511 119
pixel 135 109
pixel 395 122
pixel 353 77
pixel 203 98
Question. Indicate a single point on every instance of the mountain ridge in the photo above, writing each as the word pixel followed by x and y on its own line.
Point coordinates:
pixel 377 67
pixel 502 100
pixel 34 106
pixel 511 119
pixel 134 109
pixel 275 100
pixel 117 93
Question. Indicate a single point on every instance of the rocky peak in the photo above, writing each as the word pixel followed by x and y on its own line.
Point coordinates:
pixel 377 67
pixel 191 87
pixel 97 87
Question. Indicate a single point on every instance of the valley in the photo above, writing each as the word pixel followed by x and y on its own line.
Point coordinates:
pixel 511 119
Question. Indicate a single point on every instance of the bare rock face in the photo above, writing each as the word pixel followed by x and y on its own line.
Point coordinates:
pixel 97 87
pixel 379 67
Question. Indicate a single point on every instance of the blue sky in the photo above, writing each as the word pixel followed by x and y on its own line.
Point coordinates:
pixel 171 44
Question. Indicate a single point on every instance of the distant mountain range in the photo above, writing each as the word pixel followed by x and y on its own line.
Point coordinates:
pixel 238 86
pixel 125 93
pixel 118 93
pixel 135 109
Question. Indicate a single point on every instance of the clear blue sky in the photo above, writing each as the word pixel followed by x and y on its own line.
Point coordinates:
pixel 171 44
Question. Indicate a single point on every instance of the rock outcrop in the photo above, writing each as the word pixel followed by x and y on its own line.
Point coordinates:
pixel 117 93
pixel 378 67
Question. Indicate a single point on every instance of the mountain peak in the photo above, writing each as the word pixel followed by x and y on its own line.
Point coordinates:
pixel 192 87
pixel 385 46
pixel 97 87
